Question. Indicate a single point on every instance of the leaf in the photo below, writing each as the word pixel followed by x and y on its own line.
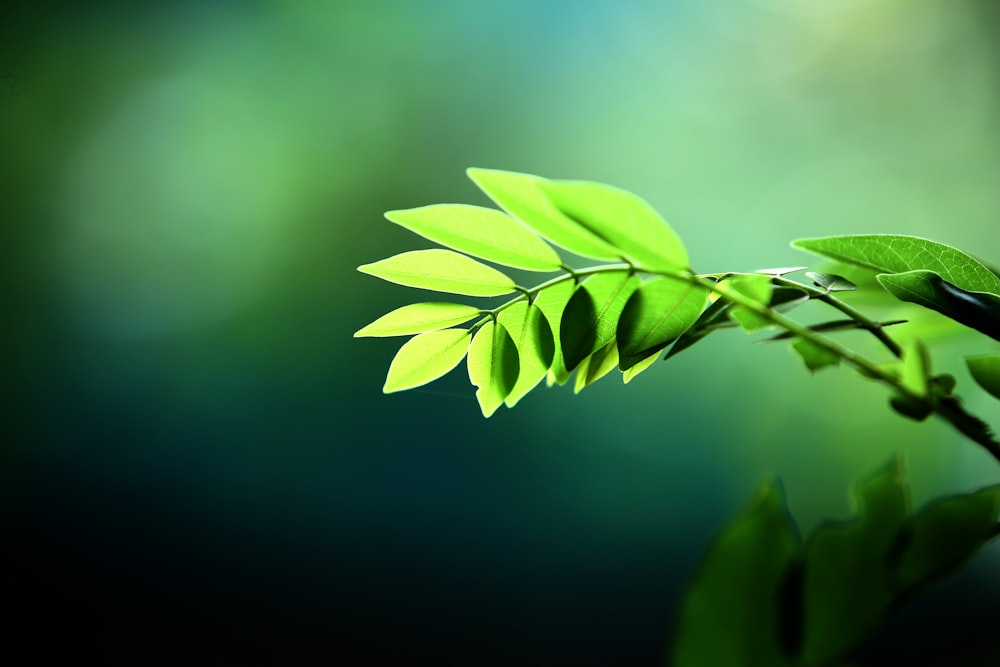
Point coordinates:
pixel 639 367
pixel 845 587
pixel 889 253
pixel 731 614
pixel 523 197
pixel 425 358
pixel 978 310
pixel 985 370
pixel 814 356
pixel 493 366
pixel 831 282
pixel 590 318
pixel 758 288
pixel 656 314
pixel 622 220
pixel 596 366
pixel 552 302
pixel 417 318
pixel 915 372
pixel 716 316
pixel 532 336
pixel 943 535
pixel 482 232
pixel 441 271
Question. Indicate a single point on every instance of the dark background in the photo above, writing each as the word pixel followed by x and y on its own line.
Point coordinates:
pixel 198 464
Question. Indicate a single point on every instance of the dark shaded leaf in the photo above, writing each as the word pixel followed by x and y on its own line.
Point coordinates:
pixel 591 316
pixel 656 314
pixel 978 310
pixel 985 370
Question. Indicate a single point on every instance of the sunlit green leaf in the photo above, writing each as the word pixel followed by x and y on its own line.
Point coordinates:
pixel 985 370
pixel 943 535
pixel 621 219
pixel 483 232
pixel 532 335
pixel 552 302
pixel 716 316
pixel 493 366
pixel 978 310
pixel 656 314
pixel 596 366
pixel 419 317
pixel 846 588
pixel 590 318
pixel 757 287
pixel 831 282
pixel 915 371
pixel 889 253
pixel 522 196
pixel 814 356
pixel 731 615
pixel 441 271
pixel 425 358
pixel 639 367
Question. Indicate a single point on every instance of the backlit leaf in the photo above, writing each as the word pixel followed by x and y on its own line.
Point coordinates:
pixel 656 314
pixel 419 317
pixel 985 370
pixel 523 197
pixel 482 232
pixel 731 615
pixel 596 366
pixel 425 358
pixel 621 219
pixel 493 366
pixel 532 335
pixel 552 302
pixel 639 367
pixel 591 316
pixel 716 316
pixel 890 253
pixel 441 271
pixel 978 310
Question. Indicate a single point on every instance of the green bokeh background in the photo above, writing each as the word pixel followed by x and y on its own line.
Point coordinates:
pixel 198 459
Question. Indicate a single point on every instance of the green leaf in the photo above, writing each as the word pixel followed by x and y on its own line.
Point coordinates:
pixel 731 615
pixel 532 336
pixel 978 310
pixel 985 370
pixel 656 314
pixel 846 588
pixel 814 356
pixel 639 367
pixel 831 282
pixel 623 220
pixel 889 253
pixel 523 197
pixel 590 318
pixel 441 271
pixel 943 535
pixel 425 358
pixel 493 366
pixel 716 316
pixel 757 287
pixel 482 232
pixel 915 372
pixel 596 366
pixel 552 302
pixel 419 317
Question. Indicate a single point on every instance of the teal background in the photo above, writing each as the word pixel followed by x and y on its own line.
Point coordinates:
pixel 199 464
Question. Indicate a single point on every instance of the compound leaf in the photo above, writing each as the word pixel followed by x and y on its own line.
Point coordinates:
pixel 731 614
pixel 889 253
pixel 441 271
pixel 591 316
pixel 418 318
pixel 493 366
pixel 985 370
pixel 425 358
pixel 622 220
pixel 978 310
pixel 656 314
pixel 523 197
pixel 532 336
pixel 482 232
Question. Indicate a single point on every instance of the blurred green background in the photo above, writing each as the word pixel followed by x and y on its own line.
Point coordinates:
pixel 198 461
